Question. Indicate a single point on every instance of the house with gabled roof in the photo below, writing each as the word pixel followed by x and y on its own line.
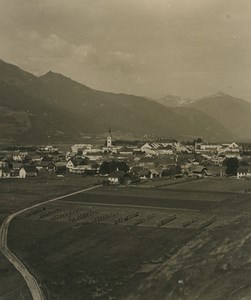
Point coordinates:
pixel 230 148
pixel 81 165
pixel 158 148
pixel 216 171
pixel 28 171
pixel 45 165
pixel 199 171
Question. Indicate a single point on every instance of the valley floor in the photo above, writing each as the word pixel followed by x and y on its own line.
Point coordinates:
pixel 184 241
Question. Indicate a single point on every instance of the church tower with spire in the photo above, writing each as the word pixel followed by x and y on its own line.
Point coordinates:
pixel 109 139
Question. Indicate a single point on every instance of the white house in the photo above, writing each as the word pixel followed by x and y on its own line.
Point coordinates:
pixel 155 173
pixel 27 171
pixel 210 147
pixel 116 177
pixel 22 173
pixel 158 148
pixel 50 148
pixel 80 166
pixel 233 147
pixel 243 172
pixel 19 156
pixel 77 147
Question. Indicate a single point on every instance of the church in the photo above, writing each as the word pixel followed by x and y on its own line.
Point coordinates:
pixel 109 139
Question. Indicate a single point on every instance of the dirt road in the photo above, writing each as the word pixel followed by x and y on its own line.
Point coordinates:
pixel 32 283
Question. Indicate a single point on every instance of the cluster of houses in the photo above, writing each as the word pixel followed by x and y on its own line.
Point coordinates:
pixel 144 160
pixel 28 163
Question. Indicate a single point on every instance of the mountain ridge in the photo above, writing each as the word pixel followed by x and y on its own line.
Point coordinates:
pixel 60 108
pixel 232 112
pixel 175 101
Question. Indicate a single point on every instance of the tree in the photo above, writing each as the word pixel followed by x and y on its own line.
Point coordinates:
pixel 172 171
pixel 111 166
pixel 232 166
pixel 243 163
pixel 199 140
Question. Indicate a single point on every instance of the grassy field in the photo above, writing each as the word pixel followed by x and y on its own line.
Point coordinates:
pixel 131 243
pixel 231 185
pixel 93 261
pixel 19 193
pixel 164 194
pixel 215 265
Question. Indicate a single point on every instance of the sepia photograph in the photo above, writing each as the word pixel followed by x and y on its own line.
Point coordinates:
pixel 125 150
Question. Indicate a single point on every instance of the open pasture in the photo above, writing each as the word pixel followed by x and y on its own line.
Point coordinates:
pixel 19 193
pixel 152 198
pixel 213 185
pixel 90 248
pixel 92 260
pixel 103 244
pixel 152 193
pixel 16 194
pixel 93 257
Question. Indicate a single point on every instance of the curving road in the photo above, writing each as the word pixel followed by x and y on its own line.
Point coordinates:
pixel 33 285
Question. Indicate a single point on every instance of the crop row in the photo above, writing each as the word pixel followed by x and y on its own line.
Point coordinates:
pixel 106 216
pixel 167 220
pixel 50 213
pixel 143 220
pixel 34 211
pixel 207 222
pixel 189 222
pixel 126 218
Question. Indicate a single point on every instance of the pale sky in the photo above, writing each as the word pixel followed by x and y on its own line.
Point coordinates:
pixel 190 48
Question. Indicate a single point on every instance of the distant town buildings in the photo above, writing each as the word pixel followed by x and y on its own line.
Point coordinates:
pixel 139 161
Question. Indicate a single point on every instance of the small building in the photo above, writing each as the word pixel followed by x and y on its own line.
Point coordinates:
pixel 144 174
pixel 49 166
pixel 81 166
pixel 158 148
pixel 116 177
pixel 50 149
pixel 156 172
pixel 61 167
pixel 199 171
pixel 80 147
pixel 17 157
pixel 28 171
pixel 16 165
pixel 243 172
pixel 216 171
pixel 126 151
pixel 5 172
pixel 45 166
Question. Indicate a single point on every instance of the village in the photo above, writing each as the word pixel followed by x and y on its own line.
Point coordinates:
pixel 130 163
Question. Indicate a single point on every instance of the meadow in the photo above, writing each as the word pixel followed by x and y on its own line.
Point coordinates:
pixel 224 185
pixel 118 242
pixel 19 193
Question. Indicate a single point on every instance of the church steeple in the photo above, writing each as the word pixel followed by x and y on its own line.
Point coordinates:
pixel 109 139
